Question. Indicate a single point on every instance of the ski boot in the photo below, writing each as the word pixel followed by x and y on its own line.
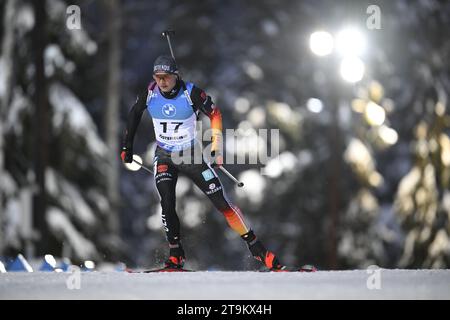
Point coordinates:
pixel 260 253
pixel 268 258
pixel 176 259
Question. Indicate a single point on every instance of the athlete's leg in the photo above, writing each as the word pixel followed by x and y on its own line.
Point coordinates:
pixel 166 176
pixel 208 181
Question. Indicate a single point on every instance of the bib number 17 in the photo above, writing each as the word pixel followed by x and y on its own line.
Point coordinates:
pixel 177 125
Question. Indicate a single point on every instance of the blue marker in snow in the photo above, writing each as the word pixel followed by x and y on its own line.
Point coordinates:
pixel 49 263
pixel 20 264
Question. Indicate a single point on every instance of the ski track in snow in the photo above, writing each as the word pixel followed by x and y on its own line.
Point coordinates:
pixel 215 285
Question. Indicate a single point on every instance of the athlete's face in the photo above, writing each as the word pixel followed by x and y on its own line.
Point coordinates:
pixel 165 81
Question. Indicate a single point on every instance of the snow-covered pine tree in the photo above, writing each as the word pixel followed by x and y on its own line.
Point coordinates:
pixel 423 198
pixel 362 229
pixel 75 177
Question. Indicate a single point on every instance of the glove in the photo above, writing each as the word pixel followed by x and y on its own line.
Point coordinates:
pixel 217 159
pixel 127 154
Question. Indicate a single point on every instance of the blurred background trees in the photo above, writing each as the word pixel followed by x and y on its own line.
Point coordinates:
pixel 363 172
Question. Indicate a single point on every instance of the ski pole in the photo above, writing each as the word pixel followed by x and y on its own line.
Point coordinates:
pixel 142 166
pixel 239 183
pixel 167 34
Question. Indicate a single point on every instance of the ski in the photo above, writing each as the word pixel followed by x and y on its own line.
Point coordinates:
pixel 159 270
pixel 305 268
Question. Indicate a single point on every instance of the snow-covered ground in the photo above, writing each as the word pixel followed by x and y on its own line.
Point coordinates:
pixel 392 284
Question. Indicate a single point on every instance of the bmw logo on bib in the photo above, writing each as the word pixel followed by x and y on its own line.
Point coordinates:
pixel 169 110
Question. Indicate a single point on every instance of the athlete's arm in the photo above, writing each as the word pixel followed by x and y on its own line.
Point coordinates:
pixel 134 117
pixel 204 103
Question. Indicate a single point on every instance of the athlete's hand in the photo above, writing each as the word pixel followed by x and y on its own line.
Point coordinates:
pixel 217 159
pixel 127 154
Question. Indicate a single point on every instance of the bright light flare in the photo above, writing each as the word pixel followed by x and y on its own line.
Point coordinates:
pixel 374 114
pixel 321 43
pixel 352 69
pixel 350 42
pixel 90 265
pixel 388 135
pixel 314 105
